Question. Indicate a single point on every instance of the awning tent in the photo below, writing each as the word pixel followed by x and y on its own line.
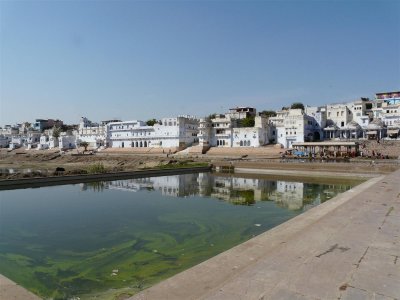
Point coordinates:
pixel 393 132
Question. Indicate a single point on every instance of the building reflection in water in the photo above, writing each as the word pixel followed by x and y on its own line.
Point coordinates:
pixel 235 190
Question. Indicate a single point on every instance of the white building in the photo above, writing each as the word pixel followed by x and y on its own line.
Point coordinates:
pixel 363 119
pixel 16 142
pixel 47 141
pixel 66 141
pixel 128 134
pixel 44 142
pixel 227 130
pixel 4 141
pixel 179 132
pixel 390 115
pixel 359 112
pixel 293 126
pixel 318 113
pixel 9 130
pixel 374 130
pixel 33 139
pixel 95 134
pixel 348 120
pixel 338 114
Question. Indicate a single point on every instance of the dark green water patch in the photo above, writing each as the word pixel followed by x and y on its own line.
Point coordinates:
pixel 122 236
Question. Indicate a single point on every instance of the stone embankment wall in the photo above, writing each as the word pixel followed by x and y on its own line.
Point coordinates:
pixel 390 148
pixel 69 179
pixel 271 151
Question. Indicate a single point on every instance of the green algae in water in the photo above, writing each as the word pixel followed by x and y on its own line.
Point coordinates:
pixel 110 238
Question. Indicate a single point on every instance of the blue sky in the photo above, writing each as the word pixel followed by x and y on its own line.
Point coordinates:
pixel 145 59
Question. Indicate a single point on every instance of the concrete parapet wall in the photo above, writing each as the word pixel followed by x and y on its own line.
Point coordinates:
pixel 59 180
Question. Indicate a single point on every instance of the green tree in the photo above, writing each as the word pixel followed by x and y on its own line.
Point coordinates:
pixel 268 113
pixel 84 145
pixel 151 122
pixel 247 122
pixel 297 105
pixel 56 132
pixel 212 116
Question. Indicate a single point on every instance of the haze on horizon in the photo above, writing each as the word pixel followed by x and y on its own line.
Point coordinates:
pixel 141 60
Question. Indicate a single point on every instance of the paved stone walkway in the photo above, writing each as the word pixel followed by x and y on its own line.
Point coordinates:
pixel 9 290
pixel 346 248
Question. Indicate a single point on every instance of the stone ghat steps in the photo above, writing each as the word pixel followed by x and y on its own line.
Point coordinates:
pixel 197 150
pixel 250 151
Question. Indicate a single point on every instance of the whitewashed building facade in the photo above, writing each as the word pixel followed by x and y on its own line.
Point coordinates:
pixel 95 134
pixel 4 141
pixel 179 132
pixel 225 130
pixel 293 126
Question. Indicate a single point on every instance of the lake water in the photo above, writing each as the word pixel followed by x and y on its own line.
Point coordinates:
pixel 105 239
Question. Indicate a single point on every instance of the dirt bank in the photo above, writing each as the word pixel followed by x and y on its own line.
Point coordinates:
pixel 48 161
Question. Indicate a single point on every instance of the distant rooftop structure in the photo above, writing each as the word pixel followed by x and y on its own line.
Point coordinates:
pixel 241 112
pixel 389 97
pixel 242 109
pixel 386 95
pixel 105 122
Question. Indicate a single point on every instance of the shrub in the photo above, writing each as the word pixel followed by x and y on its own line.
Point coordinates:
pixel 96 168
